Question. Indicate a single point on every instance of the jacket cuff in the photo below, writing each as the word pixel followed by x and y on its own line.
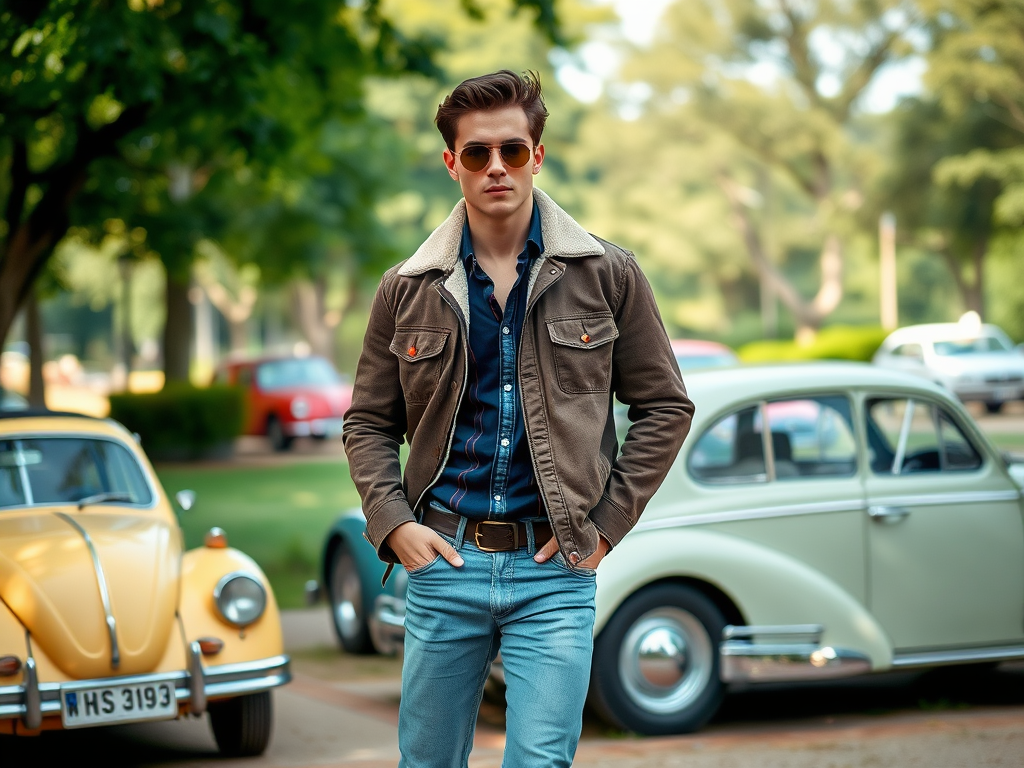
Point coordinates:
pixel 382 521
pixel 610 521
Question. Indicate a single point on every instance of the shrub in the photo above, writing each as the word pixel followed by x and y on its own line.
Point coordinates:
pixel 182 422
pixel 837 342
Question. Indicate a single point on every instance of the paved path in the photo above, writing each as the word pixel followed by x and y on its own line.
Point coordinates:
pixel 341 711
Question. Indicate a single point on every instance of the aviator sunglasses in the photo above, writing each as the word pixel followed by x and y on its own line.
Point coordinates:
pixel 476 157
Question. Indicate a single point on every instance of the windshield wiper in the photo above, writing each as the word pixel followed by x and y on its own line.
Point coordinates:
pixel 96 498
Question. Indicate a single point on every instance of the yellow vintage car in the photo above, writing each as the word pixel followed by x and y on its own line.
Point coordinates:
pixel 104 618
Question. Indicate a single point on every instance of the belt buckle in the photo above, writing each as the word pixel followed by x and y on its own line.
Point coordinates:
pixel 483 548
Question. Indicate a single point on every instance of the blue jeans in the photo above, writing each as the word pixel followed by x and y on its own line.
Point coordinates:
pixel 541 617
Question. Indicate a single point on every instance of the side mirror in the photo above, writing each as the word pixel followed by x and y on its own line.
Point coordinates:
pixel 186 500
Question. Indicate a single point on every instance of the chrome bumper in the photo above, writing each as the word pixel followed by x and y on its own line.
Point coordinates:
pixel 32 700
pixel 387 624
pixel 784 653
pixel 329 427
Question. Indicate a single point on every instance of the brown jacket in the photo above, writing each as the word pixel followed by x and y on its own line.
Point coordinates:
pixel 592 329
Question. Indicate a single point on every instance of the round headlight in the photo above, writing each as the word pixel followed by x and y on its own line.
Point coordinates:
pixel 300 408
pixel 240 598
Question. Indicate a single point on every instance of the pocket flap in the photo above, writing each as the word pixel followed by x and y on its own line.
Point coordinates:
pixel 415 344
pixel 583 332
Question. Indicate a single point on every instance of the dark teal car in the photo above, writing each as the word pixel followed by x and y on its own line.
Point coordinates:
pixel 367 616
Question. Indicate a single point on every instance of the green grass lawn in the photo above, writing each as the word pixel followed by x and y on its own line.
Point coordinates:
pixel 277 515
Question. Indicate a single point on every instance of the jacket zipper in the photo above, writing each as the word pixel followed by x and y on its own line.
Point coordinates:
pixel 465 378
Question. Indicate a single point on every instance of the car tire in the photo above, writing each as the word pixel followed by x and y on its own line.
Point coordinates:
pixel 241 726
pixel 656 662
pixel 993 407
pixel 279 441
pixel 345 595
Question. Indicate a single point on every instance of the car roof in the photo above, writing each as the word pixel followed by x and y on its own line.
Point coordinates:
pixel 713 388
pixel 58 422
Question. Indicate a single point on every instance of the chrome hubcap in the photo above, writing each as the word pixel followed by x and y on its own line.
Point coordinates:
pixel 346 595
pixel 666 660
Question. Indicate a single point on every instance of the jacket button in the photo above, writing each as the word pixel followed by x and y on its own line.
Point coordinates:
pixel 585 338
pixel 412 351
pixel 574 557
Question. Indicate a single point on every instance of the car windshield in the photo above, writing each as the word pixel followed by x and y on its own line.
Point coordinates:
pixel 63 470
pixel 309 371
pixel 973 346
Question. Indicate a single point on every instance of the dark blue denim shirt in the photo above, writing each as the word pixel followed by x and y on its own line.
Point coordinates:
pixel 489 474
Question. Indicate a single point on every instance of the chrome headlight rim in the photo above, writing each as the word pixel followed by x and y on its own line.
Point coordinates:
pixel 218 592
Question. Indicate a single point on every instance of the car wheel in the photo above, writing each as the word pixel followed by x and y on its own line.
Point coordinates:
pixel 656 663
pixel 241 726
pixel 279 441
pixel 345 592
pixel 993 407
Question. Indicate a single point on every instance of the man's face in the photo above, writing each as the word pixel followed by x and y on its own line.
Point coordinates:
pixel 497 190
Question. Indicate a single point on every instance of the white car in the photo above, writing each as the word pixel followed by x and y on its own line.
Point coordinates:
pixel 975 361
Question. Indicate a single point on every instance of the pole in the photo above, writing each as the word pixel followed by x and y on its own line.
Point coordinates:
pixel 887 286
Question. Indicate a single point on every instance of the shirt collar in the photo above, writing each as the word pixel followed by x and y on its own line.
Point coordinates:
pixel 534 240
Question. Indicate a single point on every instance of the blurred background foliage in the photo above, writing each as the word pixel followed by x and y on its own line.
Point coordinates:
pixel 246 170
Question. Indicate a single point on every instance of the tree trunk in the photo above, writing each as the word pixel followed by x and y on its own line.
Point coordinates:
pixel 972 293
pixel 34 337
pixel 177 331
pixel 809 315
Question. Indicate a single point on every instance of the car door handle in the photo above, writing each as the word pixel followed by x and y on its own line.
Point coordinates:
pixel 888 514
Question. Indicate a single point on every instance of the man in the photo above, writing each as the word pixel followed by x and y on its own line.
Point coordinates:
pixel 496 350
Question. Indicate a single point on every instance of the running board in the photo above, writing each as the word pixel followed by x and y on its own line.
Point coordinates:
pixel 967 656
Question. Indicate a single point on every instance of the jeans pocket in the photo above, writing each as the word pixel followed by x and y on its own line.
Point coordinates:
pixel 583 573
pixel 422 568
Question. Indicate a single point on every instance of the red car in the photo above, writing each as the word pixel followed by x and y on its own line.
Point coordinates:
pixel 694 354
pixel 289 397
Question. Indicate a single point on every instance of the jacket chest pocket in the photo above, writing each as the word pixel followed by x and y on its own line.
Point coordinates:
pixel 419 361
pixel 582 348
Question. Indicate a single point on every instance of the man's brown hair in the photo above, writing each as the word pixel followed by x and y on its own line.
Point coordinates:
pixel 494 91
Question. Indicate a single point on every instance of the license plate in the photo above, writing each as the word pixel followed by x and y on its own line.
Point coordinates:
pixel 118 704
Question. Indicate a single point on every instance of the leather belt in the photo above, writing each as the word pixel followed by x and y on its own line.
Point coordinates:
pixel 488 535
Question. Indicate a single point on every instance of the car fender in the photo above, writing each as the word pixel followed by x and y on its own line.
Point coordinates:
pixel 350 527
pixel 201 570
pixel 766 586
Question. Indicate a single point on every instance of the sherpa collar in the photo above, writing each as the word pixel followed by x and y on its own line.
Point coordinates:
pixel 563 238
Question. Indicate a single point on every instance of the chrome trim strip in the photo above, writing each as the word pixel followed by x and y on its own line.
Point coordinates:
pixel 766 442
pixel 901 443
pixel 755 513
pixel 774 630
pixel 101 579
pixel 935 499
pixel 936 658
pixel 212 673
pixel 237 687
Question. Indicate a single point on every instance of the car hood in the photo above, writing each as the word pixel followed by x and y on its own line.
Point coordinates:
pixel 49 579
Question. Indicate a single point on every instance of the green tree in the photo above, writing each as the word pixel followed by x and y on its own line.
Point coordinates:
pixel 753 125
pixel 153 100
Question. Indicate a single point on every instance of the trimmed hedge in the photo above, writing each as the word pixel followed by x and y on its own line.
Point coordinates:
pixel 182 422
pixel 837 342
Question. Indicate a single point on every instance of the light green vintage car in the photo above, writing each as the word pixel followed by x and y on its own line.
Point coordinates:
pixel 821 521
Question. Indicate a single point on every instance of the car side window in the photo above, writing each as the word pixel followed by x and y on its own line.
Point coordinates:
pixel 731 451
pixel 907 436
pixel 812 437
